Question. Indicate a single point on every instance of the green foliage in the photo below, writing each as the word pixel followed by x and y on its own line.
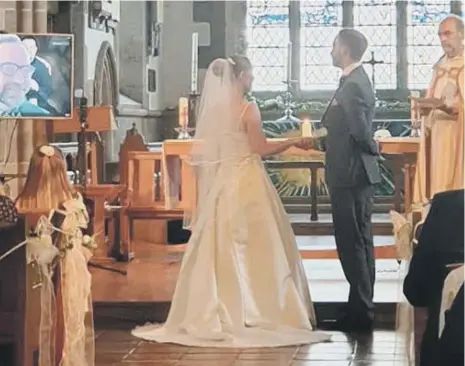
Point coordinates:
pixel 317 107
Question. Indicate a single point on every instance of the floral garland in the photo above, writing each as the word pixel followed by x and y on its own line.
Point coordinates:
pixel 42 254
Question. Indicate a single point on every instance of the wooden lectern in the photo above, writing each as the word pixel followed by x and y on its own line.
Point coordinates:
pixel 99 119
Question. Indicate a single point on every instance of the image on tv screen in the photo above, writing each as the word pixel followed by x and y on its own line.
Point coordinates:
pixel 36 76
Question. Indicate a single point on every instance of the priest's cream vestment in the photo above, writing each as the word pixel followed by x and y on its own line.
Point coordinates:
pixel 441 155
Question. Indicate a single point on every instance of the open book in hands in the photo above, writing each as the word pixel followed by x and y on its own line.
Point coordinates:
pixel 428 103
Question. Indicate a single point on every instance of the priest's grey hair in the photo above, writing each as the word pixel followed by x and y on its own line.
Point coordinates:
pixel 457 20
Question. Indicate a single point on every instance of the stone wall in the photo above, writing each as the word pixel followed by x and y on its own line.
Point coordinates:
pixel 19 137
pixel 220 25
pixel 133 49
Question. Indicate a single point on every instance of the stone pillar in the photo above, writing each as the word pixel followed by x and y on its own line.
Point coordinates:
pixel 39 26
pixel 236 13
pixel 18 142
pixel 25 130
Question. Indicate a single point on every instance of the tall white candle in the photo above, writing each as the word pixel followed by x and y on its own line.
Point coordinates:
pixel 195 64
pixel 289 61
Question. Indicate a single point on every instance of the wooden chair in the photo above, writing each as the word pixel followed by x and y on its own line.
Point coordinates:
pixel 144 216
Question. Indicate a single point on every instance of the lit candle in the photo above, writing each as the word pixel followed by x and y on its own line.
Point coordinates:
pixel 289 61
pixel 195 66
pixel 307 128
pixel 183 112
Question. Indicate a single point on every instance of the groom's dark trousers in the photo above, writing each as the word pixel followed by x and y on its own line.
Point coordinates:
pixel 351 170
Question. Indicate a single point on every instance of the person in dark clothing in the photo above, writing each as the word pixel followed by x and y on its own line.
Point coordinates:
pixel 440 243
pixel 42 76
pixel 351 170
pixel 450 350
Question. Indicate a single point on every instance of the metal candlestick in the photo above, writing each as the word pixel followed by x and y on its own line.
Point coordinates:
pixel 184 133
pixel 288 106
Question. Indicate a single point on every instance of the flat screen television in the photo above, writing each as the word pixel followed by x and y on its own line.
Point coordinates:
pixel 36 76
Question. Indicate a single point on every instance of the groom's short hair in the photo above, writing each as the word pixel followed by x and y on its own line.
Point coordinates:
pixel 355 41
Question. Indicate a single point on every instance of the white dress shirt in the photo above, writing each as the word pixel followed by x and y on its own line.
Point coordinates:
pixel 347 70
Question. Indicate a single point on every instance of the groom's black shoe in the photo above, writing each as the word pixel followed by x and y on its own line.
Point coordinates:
pixel 343 324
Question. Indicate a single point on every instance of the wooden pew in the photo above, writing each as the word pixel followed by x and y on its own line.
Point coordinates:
pixel 131 229
pixel 145 199
pixel 33 284
pixel 20 300
pixel 16 332
pixel 403 153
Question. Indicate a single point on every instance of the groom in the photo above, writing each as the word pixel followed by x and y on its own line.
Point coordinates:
pixel 351 170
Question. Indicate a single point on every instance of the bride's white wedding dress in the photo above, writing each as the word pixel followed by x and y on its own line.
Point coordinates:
pixel 242 282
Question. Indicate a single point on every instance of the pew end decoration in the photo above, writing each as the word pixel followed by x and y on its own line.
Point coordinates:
pixel 452 284
pixel 381 133
pixel 59 251
pixel 59 247
pixel 402 230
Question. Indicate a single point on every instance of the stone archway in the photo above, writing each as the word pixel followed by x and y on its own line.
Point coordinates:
pixel 106 92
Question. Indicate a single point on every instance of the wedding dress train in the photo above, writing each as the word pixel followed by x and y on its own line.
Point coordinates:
pixel 242 282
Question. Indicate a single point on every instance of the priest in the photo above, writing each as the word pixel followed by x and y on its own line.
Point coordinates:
pixel 441 156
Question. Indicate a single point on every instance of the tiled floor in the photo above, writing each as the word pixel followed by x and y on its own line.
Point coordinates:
pixel 162 263
pixel 151 278
pixel 327 217
pixel 119 348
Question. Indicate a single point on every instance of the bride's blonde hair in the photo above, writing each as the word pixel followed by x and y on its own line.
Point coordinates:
pixel 47 184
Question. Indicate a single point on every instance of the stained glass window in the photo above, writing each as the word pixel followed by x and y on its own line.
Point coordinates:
pixel 267 41
pixel 320 23
pixel 376 19
pixel 424 48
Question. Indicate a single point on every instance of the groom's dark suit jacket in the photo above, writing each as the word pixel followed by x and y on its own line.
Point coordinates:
pixel 351 152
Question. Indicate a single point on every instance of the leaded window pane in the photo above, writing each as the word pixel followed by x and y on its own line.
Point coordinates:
pixel 267 40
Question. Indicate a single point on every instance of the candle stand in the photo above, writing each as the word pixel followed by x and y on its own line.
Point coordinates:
pixel 184 131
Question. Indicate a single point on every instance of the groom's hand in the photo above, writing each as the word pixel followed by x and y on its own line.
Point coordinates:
pixel 305 143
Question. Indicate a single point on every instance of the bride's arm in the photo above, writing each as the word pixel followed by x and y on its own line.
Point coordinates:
pixel 257 140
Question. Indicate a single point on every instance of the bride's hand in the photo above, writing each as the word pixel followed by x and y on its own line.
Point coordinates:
pixel 304 143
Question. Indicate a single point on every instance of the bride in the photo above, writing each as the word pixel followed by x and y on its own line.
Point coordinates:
pixel 242 283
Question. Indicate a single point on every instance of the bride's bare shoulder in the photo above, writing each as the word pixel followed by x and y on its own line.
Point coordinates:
pixel 251 111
